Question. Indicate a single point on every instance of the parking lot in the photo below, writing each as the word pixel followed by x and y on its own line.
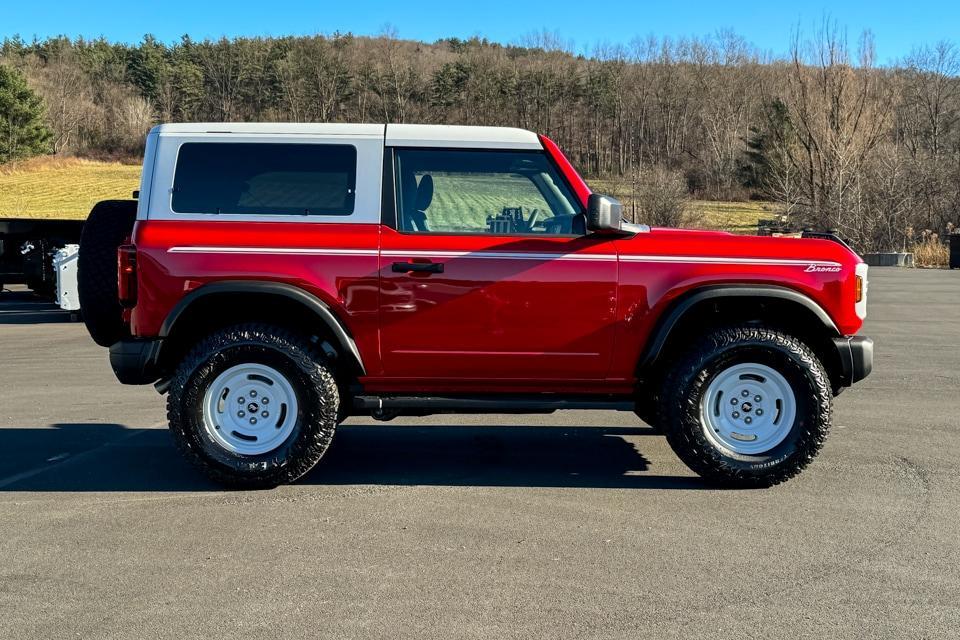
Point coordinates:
pixel 571 525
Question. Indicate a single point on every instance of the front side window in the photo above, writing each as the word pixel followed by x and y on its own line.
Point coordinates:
pixel 499 192
pixel 265 179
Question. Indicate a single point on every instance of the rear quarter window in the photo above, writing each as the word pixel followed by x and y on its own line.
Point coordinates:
pixel 265 179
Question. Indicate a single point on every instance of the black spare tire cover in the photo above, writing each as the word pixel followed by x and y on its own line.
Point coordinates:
pixel 108 225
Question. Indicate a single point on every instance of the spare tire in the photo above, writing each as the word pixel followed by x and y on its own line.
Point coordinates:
pixel 108 225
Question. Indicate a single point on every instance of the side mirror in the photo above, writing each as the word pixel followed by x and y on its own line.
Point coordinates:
pixel 604 214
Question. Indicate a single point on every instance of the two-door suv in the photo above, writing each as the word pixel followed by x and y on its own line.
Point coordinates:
pixel 274 279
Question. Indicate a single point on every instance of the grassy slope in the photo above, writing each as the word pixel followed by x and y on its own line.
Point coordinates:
pixel 446 212
pixel 68 188
pixel 62 187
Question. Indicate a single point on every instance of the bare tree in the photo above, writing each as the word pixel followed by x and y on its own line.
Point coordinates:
pixel 224 65
pixel 68 95
pixel 931 96
pixel 840 114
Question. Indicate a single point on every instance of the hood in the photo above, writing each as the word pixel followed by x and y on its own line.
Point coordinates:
pixel 722 244
pixel 667 262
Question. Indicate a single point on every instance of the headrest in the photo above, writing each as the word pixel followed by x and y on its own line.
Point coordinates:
pixel 424 192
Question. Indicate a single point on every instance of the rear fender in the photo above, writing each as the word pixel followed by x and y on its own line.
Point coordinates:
pixel 345 342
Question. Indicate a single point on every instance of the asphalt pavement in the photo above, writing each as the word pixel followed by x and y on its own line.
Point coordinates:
pixel 570 525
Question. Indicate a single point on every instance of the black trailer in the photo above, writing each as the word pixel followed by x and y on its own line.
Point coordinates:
pixel 27 247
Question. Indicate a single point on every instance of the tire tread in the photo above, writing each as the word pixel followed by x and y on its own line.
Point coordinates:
pixel 680 407
pixel 320 417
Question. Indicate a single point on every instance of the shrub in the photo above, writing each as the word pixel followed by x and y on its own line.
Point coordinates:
pixel 930 251
pixel 661 199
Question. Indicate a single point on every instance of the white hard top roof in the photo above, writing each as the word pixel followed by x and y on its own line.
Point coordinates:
pixel 287 128
pixel 445 135
pixel 397 135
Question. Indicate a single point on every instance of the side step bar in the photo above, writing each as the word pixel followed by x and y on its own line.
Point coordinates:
pixel 487 404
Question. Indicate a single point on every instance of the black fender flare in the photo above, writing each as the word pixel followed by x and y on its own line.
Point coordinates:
pixel 671 317
pixel 313 303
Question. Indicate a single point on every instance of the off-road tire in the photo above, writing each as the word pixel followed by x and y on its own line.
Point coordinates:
pixel 306 369
pixel 685 384
pixel 108 225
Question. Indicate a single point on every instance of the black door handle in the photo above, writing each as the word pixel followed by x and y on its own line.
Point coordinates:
pixel 420 267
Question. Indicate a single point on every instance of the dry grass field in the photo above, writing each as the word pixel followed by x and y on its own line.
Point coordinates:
pixel 68 188
pixel 62 187
pixel 740 217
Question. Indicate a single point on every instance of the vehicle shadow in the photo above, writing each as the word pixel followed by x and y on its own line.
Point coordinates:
pixel 111 457
pixel 23 307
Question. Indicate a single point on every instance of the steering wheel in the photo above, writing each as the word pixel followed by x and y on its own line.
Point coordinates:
pixel 534 216
pixel 559 224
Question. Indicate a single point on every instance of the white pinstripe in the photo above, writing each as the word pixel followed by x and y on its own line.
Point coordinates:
pixel 503 255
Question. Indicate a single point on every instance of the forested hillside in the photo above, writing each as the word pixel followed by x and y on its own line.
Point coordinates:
pixel 837 141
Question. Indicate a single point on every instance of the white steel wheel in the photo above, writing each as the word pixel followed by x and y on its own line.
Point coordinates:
pixel 250 409
pixel 748 409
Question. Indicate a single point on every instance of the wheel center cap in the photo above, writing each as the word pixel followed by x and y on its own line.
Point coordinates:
pixel 746 406
pixel 253 407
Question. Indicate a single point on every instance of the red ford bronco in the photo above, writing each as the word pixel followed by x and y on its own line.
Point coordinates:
pixel 274 279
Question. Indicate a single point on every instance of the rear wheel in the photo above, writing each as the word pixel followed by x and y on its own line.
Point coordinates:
pixel 747 407
pixel 253 406
pixel 108 225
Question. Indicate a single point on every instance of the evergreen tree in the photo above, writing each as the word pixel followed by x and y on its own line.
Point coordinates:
pixel 23 132
pixel 767 146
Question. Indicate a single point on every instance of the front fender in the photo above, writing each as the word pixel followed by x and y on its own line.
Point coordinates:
pixel 672 316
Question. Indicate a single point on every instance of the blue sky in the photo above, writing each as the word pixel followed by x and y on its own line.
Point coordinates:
pixel 897 26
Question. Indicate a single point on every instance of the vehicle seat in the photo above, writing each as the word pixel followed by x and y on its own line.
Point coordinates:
pixel 421 202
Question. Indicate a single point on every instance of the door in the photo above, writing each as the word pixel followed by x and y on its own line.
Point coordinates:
pixel 486 273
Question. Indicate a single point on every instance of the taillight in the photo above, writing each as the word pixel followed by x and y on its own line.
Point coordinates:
pixel 127 274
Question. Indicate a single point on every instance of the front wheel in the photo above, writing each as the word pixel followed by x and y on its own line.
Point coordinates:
pixel 253 406
pixel 747 407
